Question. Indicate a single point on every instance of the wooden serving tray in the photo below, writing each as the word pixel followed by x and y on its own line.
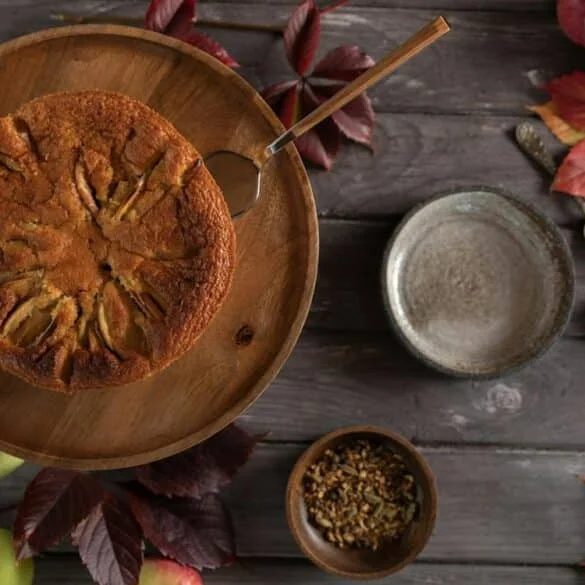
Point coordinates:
pixel 256 329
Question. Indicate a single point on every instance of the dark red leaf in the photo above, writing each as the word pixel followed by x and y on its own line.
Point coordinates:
pixel 202 470
pixel 568 96
pixel 332 6
pixel 571 14
pixel 570 177
pixel 274 92
pixel 284 100
pixel 110 543
pixel 172 17
pixel 302 35
pixel 54 503
pixel 161 572
pixel 321 144
pixel 196 533
pixel 343 64
pixel 210 46
pixel 356 119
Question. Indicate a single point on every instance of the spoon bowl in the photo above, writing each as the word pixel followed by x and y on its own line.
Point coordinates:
pixel 238 177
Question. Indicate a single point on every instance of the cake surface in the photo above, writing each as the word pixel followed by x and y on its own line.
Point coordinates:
pixel 116 245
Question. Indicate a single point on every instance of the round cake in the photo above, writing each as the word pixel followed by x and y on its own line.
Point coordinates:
pixel 116 245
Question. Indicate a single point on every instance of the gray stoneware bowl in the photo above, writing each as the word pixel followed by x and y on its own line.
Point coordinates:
pixel 477 283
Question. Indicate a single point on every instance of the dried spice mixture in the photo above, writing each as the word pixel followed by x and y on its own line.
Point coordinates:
pixel 360 495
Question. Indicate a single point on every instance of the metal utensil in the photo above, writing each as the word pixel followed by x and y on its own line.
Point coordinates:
pixel 532 144
pixel 240 176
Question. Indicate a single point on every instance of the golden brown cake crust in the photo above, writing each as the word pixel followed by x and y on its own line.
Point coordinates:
pixel 116 245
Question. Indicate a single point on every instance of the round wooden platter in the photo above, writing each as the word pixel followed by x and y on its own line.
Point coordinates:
pixel 256 329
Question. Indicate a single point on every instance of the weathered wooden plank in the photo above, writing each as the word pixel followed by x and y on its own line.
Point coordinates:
pixel 346 378
pixel 490 62
pixel 417 156
pixel 495 505
pixel 348 293
pixel 67 570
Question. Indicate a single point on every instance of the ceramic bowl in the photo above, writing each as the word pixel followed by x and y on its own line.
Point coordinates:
pixel 478 283
pixel 363 564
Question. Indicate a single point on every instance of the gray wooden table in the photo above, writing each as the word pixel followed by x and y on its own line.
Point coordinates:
pixel 507 453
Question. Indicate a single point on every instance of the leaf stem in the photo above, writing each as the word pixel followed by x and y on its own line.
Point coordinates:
pixel 131 21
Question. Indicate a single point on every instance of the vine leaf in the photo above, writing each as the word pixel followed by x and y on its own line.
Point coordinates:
pixel 110 543
pixel 195 533
pixel 301 36
pixel 204 469
pixel 54 503
pixel 571 15
pixel 176 18
pixel 570 177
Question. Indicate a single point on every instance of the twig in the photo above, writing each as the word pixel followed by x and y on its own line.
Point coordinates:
pixel 130 21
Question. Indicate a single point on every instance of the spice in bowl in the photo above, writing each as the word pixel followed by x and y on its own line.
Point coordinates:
pixel 360 495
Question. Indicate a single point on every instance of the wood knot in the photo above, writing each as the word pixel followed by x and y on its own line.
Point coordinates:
pixel 244 336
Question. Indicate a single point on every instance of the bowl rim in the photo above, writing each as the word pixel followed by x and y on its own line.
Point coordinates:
pixel 566 304
pixel 301 465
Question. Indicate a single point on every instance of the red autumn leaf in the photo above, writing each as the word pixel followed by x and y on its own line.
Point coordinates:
pixel 110 543
pixel 570 177
pixel 210 46
pixel 196 533
pixel 321 144
pixel 54 503
pixel 301 36
pixel 332 6
pixel 343 64
pixel 171 17
pixel 571 15
pixel 568 96
pixel 283 98
pixel 161 572
pixel 563 131
pixel 356 119
pixel 202 470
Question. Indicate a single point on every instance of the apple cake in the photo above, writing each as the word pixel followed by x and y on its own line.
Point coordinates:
pixel 116 244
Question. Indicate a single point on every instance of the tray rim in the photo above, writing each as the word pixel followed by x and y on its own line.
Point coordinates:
pixel 312 224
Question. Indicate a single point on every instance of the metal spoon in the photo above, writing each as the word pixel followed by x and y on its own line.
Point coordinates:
pixel 532 144
pixel 240 176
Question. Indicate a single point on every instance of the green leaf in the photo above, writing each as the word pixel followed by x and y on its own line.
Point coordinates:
pixel 13 572
pixel 8 464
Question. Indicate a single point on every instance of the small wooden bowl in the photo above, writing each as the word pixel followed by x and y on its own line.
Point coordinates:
pixel 363 564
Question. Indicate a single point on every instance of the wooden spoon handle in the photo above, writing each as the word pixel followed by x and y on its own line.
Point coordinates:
pixel 419 41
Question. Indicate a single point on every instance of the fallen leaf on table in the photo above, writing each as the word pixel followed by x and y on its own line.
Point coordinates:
pixel 210 46
pixel 568 95
pixel 110 543
pixel 301 36
pixel 344 63
pixel 293 100
pixel 171 17
pixel 176 18
pixel 563 131
pixel 54 503
pixel 13 572
pixel 204 469
pixel 161 572
pixel 571 15
pixel 570 177
pixel 196 533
